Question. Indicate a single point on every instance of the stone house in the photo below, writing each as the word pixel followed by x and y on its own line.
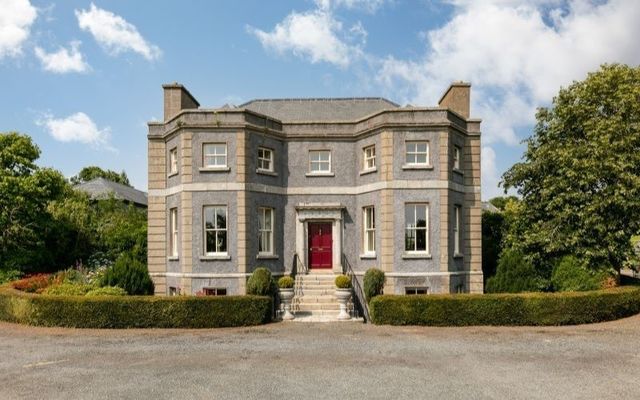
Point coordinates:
pixel 319 185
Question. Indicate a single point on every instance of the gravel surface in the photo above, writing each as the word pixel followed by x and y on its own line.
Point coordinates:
pixel 322 361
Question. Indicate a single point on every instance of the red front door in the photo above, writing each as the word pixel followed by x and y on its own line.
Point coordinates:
pixel 320 243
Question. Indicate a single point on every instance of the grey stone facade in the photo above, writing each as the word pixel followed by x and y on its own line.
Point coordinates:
pixel 297 198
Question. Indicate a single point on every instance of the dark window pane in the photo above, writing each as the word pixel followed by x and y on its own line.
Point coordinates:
pixel 421 240
pixel 221 217
pixel 222 241
pixel 210 243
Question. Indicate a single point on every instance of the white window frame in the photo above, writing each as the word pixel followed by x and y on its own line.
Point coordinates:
pixel 216 229
pixel 215 155
pixel 369 158
pixel 173 232
pixel 369 230
pixel 319 162
pixel 173 161
pixel 413 227
pixel 265 232
pixel 457 154
pixel 264 159
pixel 457 211
pixel 415 153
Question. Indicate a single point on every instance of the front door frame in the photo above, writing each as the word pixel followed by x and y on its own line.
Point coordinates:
pixel 320 212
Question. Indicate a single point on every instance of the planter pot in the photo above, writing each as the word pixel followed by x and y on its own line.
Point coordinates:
pixel 343 296
pixel 286 295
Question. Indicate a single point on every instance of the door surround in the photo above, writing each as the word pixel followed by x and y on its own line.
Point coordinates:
pixel 320 212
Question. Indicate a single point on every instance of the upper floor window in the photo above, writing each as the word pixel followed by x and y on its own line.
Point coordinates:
pixel 369 215
pixel 173 232
pixel 173 161
pixel 417 153
pixel 319 161
pixel 457 153
pixel 214 155
pixel 265 226
pixel 456 229
pixel 416 237
pixel 215 230
pixel 265 159
pixel 369 157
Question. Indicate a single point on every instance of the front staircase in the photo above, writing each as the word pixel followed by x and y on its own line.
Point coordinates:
pixel 314 297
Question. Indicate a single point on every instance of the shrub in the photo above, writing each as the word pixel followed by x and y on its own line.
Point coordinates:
pixel 343 282
pixel 260 282
pixel 9 275
pixel 68 289
pixel 373 283
pixel 69 275
pixel 571 274
pixel 32 284
pixel 286 282
pixel 515 274
pixel 134 311
pixel 130 274
pixel 567 308
pixel 107 291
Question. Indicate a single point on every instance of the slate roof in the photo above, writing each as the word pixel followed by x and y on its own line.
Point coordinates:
pixel 486 206
pixel 100 189
pixel 319 110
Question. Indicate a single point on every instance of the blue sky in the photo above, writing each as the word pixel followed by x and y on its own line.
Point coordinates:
pixel 83 78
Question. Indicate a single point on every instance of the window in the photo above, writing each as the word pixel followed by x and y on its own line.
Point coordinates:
pixel 456 230
pixel 369 230
pixel 319 161
pixel 417 153
pixel 173 291
pixel 460 288
pixel 214 291
pixel 416 225
pixel 369 157
pixel 416 290
pixel 265 159
pixel 173 232
pixel 173 161
pixel 214 155
pixel 457 152
pixel 215 230
pixel 265 226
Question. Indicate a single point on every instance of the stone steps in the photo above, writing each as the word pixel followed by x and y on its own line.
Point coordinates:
pixel 315 297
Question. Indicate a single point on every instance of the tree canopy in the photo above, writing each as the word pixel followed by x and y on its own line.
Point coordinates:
pixel 92 172
pixel 579 180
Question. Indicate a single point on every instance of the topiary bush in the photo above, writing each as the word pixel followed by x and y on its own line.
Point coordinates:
pixel 130 274
pixel 373 283
pixel 516 274
pixel 572 274
pixel 68 289
pixel 343 282
pixel 107 291
pixel 286 282
pixel 260 282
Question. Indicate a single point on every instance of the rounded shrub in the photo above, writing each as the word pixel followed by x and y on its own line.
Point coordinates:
pixel 130 274
pixel 107 291
pixel 68 289
pixel 343 282
pixel 260 282
pixel 286 282
pixel 572 274
pixel 373 283
pixel 516 274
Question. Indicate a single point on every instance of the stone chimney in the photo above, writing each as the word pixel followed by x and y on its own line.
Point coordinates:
pixel 457 98
pixel 176 99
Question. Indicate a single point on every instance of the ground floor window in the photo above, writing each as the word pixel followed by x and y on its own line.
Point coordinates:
pixel 369 230
pixel 265 226
pixel 173 291
pixel 215 230
pixel 416 290
pixel 416 238
pixel 214 291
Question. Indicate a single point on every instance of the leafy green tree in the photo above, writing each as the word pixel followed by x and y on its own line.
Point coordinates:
pixel 92 172
pixel 580 178
pixel 493 227
pixel 25 191
pixel 500 202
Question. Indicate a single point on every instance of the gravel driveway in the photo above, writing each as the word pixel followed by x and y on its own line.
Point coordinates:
pixel 323 361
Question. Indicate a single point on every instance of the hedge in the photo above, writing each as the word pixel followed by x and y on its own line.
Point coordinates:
pixel 133 311
pixel 566 308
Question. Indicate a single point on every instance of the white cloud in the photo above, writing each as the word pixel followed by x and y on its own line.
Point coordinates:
pixel 366 5
pixel 64 60
pixel 16 18
pixel 114 33
pixel 490 176
pixel 77 127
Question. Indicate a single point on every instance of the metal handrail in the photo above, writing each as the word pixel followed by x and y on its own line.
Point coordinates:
pixel 360 303
pixel 298 266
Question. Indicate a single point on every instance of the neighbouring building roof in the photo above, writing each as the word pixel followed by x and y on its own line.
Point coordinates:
pixel 319 110
pixel 100 189
pixel 486 206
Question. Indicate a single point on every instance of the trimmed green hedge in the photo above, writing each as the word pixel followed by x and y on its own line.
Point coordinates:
pixel 133 311
pixel 567 308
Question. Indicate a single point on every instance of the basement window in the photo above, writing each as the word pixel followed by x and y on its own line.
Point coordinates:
pixel 215 291
pixel 416 290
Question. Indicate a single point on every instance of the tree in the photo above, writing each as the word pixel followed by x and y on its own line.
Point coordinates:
pixel 93 172
pixel 25 191
pixel 500 202
pixel 580 177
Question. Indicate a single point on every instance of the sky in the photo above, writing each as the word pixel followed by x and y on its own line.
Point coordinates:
pixel 84 77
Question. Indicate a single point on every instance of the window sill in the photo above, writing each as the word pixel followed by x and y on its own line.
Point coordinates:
pixel 416 167
pixel 221 257
pixel 265 172
pixel 216 169
pixel 458 171
pixel 368 256
pixel 173 258
pixel 267 257
pixel 458 255
pixel 319 174
pixel 172 174
pixel 368 171
pixel 416 256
